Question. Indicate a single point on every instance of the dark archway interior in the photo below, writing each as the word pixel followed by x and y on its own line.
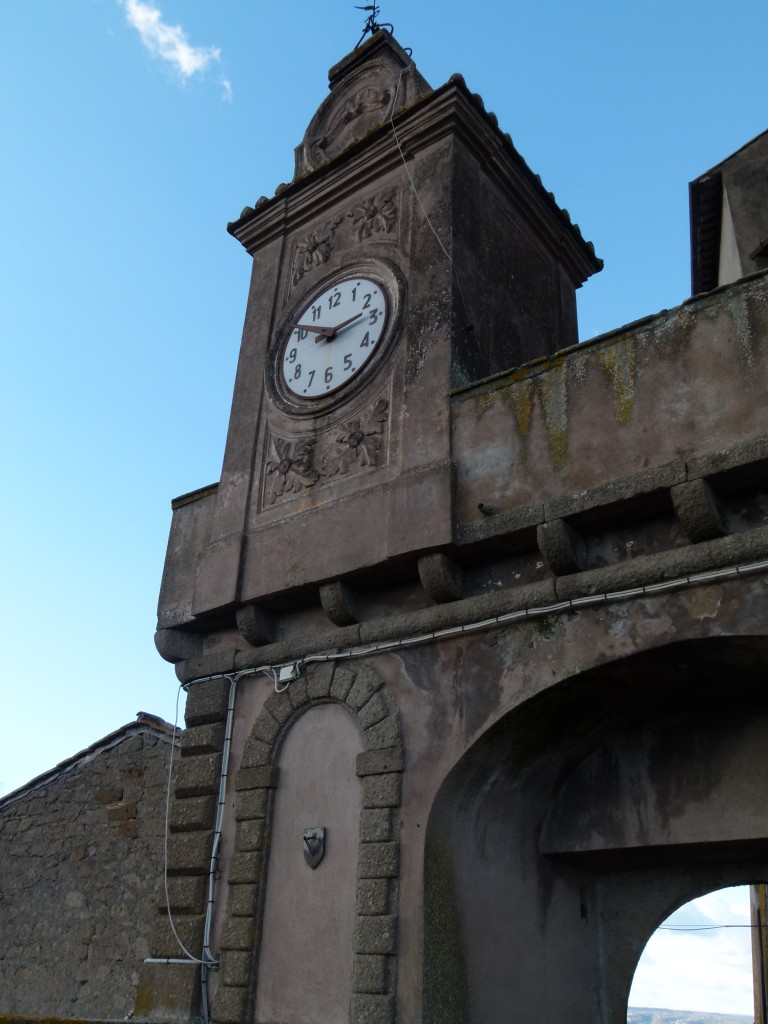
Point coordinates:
pixel 576 824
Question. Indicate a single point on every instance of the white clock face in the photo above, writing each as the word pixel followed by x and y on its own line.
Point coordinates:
pixel 334 337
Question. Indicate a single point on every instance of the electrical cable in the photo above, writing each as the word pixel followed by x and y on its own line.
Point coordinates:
pixel 418 197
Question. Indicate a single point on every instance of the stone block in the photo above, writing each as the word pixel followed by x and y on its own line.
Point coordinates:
pixel 249 835
pixel 370 974
pixel 243 900
pixel 190 814
pixel 187 895
pixel 230 1005
pixel 373 896
pixel 189 853
pixel 379 860
pixel 251 803
pixel 207 702
pixel 376 824
pixel 265 728
pixel 257 626
pixel 189 929
pixel 235 968
pixel 381 790
pixel 202 739
pixel 244 869
pixel 265 777
pixel 343 681
pixel 298 693
pixel 167 992
pixel 698 509
pixel 376 934
pixel 340 603
pixel 371 1009
pixel 441 577
pixel 385 733
pixel 256 753
pixel 367 682
pixel 561 548
pixel 380 762
pixel 372 712
pixel 319 678
pixel 198 776
pixel 279 706
pixel 239 933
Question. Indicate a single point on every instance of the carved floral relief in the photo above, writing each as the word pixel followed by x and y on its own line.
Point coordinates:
pixel 354 445
pixel 314 249
pixel 375 215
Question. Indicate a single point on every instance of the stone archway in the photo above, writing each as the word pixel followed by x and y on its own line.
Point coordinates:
pixel 362 693
pixel 570 829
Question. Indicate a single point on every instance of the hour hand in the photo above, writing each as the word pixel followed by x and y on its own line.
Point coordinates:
pixel 324 332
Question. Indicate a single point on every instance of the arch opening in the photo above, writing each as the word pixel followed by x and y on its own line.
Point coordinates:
pixel 706 958
pixel 573 827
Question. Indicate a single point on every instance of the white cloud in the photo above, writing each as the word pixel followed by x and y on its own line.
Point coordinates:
pixel 170 43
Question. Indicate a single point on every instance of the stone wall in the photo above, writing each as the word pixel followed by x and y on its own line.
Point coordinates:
pixel 81 863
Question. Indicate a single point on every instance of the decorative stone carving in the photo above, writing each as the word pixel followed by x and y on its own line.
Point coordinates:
pixel 375 215
pixel 360 441
pixel 291 468
pixel 315 249
pixel 375 82
pixel 294 464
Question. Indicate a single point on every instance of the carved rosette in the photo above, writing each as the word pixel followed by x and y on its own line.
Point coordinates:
pixel 375 215
pixel 291 467
pixel 314 249
pixel 355 445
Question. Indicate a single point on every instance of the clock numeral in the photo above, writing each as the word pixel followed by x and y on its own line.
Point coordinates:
pixel 354 293
pixel 316 311
pixel 367 302
pixel 292 355
pixel 301 335
pixel 334 300
pixel 329 375
pixel 297 371
pixel 348 362
pixel 311 377
pixel 374 316
pixel 366 340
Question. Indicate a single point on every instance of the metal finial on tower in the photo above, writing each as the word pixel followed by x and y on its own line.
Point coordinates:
pixel 371 24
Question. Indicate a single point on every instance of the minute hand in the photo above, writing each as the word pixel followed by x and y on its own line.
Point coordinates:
pixel 339 327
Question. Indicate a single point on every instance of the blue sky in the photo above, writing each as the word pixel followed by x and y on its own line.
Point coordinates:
pixel 132 132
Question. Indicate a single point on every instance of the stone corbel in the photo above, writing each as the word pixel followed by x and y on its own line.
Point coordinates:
pixel 176 645
pixel 340 603
pixel 441 577
pixel 257 626
pixel 698 509
pixel 561 547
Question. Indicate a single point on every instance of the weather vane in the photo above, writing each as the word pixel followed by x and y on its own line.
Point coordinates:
pixel 371 24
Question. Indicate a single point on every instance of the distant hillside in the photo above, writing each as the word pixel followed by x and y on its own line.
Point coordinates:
pixel 645 1015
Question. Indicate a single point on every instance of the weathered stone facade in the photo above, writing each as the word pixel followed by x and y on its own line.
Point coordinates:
pixel 81 877
pixel 553 557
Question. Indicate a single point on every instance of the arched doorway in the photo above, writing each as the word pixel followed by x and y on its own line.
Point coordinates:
pixel 572 827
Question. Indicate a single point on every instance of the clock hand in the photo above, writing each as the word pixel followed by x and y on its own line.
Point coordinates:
pixel 339 327
pixel 325 332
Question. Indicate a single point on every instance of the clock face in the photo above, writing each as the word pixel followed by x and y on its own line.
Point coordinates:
pixel 333 337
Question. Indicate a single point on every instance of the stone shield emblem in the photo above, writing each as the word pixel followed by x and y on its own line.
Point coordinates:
pixel 314 846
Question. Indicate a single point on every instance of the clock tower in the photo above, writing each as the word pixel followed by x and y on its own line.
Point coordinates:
pixel 413 254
